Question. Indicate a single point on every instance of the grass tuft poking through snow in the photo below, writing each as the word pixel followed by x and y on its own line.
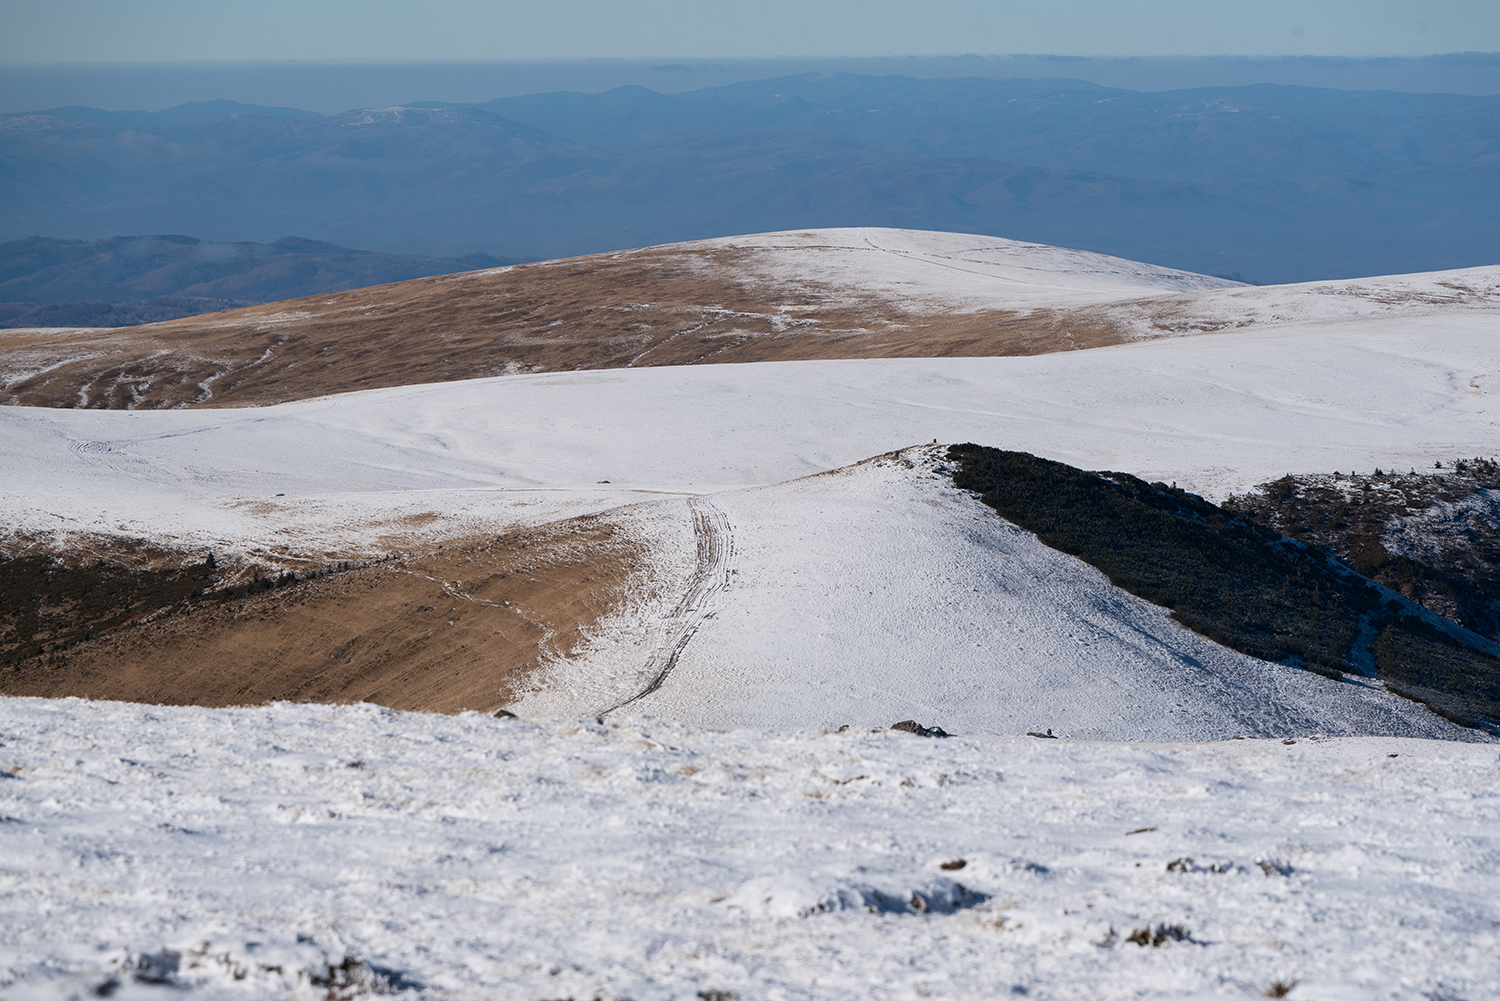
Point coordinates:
pixel 305 851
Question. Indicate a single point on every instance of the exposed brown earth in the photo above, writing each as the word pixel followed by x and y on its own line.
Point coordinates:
pixel 456 629
pixel 661 306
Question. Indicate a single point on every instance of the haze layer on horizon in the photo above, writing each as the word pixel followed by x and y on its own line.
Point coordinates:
pixel 148 31
pixel 330 87
pixel 337 55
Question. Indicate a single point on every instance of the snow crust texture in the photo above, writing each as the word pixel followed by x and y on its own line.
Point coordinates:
pixel 311 852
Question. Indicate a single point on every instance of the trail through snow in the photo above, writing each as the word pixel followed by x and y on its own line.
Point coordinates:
pixel 715 547
pixel 881 592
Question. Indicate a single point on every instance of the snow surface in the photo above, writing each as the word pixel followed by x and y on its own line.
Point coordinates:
pixel 949 271
pixel 957 272
pixel 881 592
pixel 1451 294
pixel 193 853
pixel 1215 413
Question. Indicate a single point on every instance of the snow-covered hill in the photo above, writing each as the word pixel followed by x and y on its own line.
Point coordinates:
pixel 1015 640
pixel 881 592
pixel 1216 413
pixel 853 596
pixel 809 295
pixel 854 293
pixel 340 852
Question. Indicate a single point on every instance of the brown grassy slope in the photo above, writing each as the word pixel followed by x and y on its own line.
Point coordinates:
pixel 661 306
pixel 453 630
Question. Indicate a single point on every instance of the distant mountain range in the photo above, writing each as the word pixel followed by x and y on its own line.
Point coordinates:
pixel 127 280
pixel 1274 183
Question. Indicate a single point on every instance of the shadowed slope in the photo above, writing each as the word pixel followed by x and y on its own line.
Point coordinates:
pixel 1242 585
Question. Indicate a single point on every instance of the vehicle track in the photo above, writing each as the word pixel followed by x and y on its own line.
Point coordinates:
pixel 715 550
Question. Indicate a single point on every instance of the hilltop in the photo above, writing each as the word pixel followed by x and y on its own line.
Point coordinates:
pixel 801 295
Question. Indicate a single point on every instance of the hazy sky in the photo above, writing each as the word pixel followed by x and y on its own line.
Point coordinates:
pixel 52 31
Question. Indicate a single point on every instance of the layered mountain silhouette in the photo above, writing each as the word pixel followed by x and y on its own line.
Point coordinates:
pixel 127 280
pixel 1274 183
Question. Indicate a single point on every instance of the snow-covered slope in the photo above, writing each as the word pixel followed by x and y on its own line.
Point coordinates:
pixel 1450 295
pixel 1215 412
pixel 928 270
pixel 881 592
pixel 956 272
pixel 337 852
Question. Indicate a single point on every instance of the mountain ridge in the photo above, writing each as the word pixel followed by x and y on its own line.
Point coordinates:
pixel 89 283
pixel 1277 184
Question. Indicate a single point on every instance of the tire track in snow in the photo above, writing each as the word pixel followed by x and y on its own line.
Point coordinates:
pixel 700 600
pixel 936 261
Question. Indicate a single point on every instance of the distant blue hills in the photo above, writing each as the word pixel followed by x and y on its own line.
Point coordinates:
pixel 1275 183
pixel 125 280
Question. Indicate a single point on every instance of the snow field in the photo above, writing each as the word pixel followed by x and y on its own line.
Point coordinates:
pixel 1216 413
pixel 961 272
pixel 162 852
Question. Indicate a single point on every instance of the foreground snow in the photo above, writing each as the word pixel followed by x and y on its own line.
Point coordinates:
pixel 192 853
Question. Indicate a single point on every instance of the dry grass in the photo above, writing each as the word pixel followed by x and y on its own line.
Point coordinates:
pixel 661 306
pixel 456 629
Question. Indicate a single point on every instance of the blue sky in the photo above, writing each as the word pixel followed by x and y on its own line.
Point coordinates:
pixel 148 31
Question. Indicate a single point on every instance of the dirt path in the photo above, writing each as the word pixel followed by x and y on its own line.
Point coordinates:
pixel 701 599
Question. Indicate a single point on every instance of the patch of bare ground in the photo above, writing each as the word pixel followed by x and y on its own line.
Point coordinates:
pixel 458 628
pixel 661 306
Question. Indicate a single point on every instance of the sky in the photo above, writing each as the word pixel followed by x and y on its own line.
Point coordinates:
pixel 215 31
